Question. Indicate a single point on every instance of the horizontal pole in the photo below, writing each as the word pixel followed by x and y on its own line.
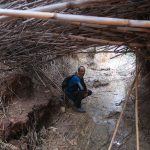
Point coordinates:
pixel 107 42
pixel 76 18
pixel 63 5
pixel 59 6
pixel 121 29
pixel 105 51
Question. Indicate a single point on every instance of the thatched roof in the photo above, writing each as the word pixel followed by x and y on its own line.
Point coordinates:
pixel 24 41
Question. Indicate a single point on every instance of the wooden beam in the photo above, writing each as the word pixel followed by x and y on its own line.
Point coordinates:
pixel 121 29
pixel 107 42
pixel 76 18
pixel 59 7
pixel 124 29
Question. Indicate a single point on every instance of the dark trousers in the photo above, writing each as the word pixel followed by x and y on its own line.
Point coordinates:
pixel 77 97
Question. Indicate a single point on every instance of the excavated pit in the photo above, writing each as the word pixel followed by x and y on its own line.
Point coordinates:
pixel 109 79
pixel 44 128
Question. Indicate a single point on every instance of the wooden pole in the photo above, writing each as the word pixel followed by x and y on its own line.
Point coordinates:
pixel 105 42
pixel 76 18
pixel 59 6
pixel 121 115
pixel 136 108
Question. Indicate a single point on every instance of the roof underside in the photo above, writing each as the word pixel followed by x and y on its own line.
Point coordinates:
pixel 29 40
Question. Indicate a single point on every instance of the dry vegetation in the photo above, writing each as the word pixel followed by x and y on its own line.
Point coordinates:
pixel 37 42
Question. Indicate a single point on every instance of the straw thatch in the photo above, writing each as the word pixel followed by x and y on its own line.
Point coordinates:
pixel 36 41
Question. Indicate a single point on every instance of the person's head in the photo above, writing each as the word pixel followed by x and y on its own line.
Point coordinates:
pixel 81 71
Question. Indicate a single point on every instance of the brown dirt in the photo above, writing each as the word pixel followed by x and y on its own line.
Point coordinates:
pixel 19 108
pixel 70 132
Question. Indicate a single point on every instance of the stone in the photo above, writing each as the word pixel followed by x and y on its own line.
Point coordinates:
pixel 98 83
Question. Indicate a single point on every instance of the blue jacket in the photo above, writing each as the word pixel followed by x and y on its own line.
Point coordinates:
pixel 75 84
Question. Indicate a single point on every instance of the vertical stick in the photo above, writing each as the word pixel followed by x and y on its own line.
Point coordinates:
pixel 121 115
pixel 136 108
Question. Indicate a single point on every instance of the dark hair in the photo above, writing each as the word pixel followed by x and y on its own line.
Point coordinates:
pixel 80 68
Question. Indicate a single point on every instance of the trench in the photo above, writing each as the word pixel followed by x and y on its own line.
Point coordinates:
pixel 49 129
pixel 109 78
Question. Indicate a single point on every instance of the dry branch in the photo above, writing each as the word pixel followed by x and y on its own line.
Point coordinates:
pixel 7 146
pixel 106 42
